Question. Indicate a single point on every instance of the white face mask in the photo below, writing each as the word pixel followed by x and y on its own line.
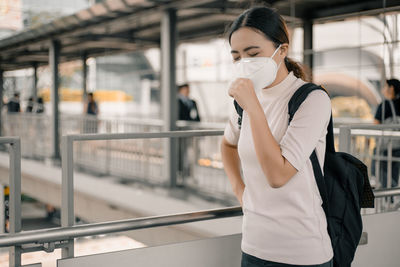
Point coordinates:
pixel 260 70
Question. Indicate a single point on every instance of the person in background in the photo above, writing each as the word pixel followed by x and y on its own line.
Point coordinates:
pixel 187 111
pixel 13 105
pixel 187 107
pixel 388 112
pixel 39 105
pixel 92 110
pixel 30 106
pixel 391 93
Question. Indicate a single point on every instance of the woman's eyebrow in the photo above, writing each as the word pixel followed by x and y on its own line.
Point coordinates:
pixel 250 47
pixel 244 50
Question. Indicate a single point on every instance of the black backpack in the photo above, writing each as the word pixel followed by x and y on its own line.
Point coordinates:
pixel 344 188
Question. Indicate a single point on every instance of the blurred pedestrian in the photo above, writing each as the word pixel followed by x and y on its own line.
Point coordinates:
pixel 92 110
pixel 388 112
pixel 13 105
pixel 187 111
pixel 187 107
pixel 30 106
pixel 39 105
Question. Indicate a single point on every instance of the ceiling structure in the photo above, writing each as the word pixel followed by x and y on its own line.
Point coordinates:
pixel 120 26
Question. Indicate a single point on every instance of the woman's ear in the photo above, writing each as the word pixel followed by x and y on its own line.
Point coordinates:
pixel 284 50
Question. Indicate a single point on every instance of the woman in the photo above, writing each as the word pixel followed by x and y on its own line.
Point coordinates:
pixel 388 112
pixel 283 223
pixel 391 92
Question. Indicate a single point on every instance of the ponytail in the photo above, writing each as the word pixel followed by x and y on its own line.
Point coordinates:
pixel 297 68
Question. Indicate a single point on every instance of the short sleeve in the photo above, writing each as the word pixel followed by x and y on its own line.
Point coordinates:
pixel 232 131
pixel 308 126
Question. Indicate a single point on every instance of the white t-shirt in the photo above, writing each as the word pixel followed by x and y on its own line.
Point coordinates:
pixel 286 224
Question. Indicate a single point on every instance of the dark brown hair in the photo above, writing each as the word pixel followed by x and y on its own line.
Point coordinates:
pixel 396 86
pixel 268 22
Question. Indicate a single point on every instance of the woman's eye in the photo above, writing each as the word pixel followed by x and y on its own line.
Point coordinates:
pixel 236 59
pixel 253 55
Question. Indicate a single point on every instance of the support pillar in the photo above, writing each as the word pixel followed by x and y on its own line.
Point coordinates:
pixel 1 101
pixel 308 45
pixel 168 90
pixel 54 59
pixel 84 80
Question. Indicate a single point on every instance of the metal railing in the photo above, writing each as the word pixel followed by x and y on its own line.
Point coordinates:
pixel 50 239
pixel 200 170
pixel 378 146
pixel 15 194
pixel 67 148
pixel 53 237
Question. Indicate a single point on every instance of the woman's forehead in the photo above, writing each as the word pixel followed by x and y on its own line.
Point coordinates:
pixel 247 36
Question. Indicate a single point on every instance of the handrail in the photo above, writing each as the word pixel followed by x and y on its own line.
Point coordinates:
pixel 66 233
pixel 371 126
pixel 387 192
pixel 121 136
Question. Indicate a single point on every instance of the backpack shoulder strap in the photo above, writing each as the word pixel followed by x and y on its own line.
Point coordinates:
pixel 295 102
pixel 298 98
pixel 239 111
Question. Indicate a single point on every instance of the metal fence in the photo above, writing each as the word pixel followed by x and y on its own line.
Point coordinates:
pixel 378 146
pixel 48 240
pixel 200 164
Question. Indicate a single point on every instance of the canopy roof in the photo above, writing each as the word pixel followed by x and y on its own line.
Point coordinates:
pixel 117 26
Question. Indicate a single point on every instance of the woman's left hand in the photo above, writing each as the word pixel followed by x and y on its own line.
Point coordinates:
pixel 242 90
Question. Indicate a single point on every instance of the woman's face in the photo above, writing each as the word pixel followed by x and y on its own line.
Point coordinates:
pixel 247 42
pixel 388 91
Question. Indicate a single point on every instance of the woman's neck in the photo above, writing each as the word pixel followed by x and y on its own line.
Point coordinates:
pixel 280 76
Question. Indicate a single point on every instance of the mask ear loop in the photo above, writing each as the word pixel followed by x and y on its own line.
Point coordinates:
pixel 276 50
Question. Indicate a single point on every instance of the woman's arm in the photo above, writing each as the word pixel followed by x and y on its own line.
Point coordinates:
pixel 230 159
pixel 276 168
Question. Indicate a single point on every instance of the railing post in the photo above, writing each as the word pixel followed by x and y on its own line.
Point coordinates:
pixel 108 162
pixel 67 187
pixel 389 164
pixel 344 139
pixel 15 199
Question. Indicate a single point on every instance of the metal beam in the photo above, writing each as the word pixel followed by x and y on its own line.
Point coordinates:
pixel 355 9
pixel 168 90
pixel 54 59
pixel 308 45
